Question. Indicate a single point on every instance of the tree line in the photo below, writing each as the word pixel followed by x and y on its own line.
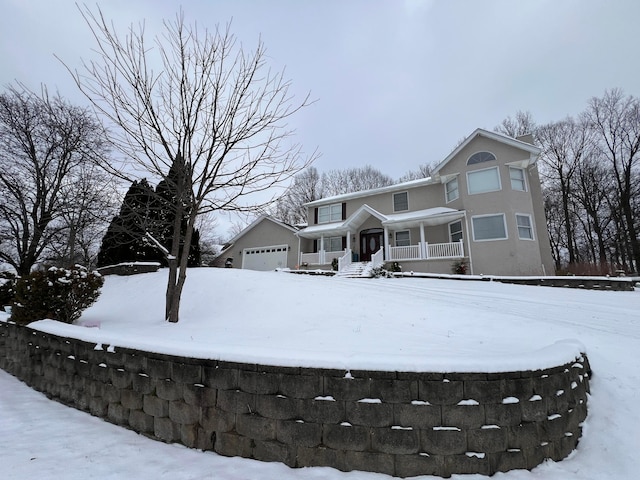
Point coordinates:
pixel 210 125
pixel 590 172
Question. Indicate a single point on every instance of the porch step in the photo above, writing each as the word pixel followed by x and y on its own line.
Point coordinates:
pixel 357 270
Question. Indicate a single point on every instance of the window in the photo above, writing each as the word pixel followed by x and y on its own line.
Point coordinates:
pixel 481 157
pixel 403 239
pixel 330 213
pixel 451 189
pixel 489 227
pixel 455 231
pixel 525 231
pixel 481 181
pixel 400 202
pixel 517 179
pixel 333 244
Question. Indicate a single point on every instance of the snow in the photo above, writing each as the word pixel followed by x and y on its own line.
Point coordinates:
pixel 268 317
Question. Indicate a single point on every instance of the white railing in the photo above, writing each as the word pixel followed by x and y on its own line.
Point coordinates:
pixel 310 259
pixel 410 252
pixel 445 250
pixel 329 256
pixel 345 260
pixel 428 250
pixel 377 259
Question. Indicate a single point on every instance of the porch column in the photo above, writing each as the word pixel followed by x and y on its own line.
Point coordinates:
pixel 348 240
pixel 423 247
pixel 321 251
pixel 386 243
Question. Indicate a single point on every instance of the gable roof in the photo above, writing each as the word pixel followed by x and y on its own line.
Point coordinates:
pixel 532 149
pixel 498 137
pixel 255 223
pixel 429 216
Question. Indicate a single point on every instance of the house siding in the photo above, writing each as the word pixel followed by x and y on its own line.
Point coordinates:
pixel 510 256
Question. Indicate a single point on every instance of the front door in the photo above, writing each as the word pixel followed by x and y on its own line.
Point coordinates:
pixel 371 241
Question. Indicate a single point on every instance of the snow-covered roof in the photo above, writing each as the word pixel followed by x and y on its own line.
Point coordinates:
pixel 428 217
pixel 374 191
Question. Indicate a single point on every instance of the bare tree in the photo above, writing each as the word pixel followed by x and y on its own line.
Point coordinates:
pixel 306 187
pixel 616 120
pixel 200 102
pixel 563 145
pixel 44 143
pixel 423 171
pixel 522 124
pixel 337 182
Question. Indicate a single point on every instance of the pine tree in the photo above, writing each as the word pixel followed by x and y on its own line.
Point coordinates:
pixel 125 239
pixel 165 208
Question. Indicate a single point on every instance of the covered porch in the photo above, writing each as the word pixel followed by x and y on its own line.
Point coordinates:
pixel 354 239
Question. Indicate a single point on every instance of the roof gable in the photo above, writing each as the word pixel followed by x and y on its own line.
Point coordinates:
pixel 498 137
pixel 257 222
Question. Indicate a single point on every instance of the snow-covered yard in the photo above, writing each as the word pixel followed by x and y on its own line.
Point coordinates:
pixel 391 324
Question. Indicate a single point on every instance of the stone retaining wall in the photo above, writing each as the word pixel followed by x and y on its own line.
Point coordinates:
pixel 399 423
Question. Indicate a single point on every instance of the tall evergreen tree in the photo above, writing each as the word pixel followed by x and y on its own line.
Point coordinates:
pixel 125 239
pixel 171 199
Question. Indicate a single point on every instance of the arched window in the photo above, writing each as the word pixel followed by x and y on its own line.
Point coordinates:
pixel 481 157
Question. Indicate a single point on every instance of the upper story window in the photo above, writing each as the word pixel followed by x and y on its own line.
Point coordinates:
pixel 481 157
pixel 401 202
pixel 525 230
pixel 403 238
pixel 455 231
pixel 451 190
pixel 330 213
pixel 481 181
pixel 517 179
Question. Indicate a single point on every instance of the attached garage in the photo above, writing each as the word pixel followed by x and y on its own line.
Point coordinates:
pixel 265 258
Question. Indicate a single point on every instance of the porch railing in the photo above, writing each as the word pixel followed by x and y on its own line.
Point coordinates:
pixel 345 260
pixel 320 258
pixel 426 251
pixel 377 258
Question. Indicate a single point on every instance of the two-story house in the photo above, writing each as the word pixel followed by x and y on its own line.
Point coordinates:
pixel 482 205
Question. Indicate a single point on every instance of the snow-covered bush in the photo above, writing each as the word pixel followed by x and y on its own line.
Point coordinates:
pixel 56 293
pixel 381 272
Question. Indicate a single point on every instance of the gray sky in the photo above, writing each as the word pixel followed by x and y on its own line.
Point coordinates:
pixel 398 83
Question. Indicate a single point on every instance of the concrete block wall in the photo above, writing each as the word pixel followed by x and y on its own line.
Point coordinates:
pixel 399 423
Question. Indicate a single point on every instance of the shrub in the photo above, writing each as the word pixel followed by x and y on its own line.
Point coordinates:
pixel 381 272
pixel 56 293
pixel 459 267
pixel 7 288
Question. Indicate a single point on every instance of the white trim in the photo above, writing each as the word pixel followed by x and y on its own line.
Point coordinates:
pixel 255 223
pixel 446 198
pixel 530 217
pixel 524 178
pixel 484 170
pixel 449 229
pixel 527 147
pixel 393 201
pixel 495 158
pixel 504 221
pixel 330 207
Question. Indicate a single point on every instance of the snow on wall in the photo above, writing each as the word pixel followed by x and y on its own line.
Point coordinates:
pixel 398 423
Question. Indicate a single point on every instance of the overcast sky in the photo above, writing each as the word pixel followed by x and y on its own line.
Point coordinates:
pixel 397 83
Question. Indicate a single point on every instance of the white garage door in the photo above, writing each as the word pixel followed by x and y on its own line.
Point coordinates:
pixel 265 258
